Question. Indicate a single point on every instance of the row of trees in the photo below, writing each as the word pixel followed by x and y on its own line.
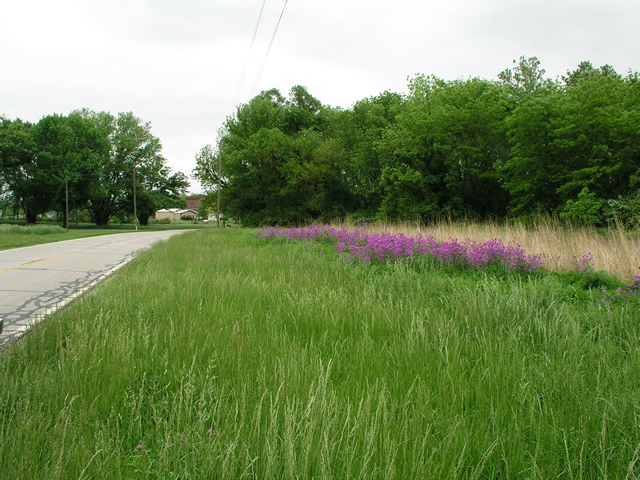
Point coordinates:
pixel 487 149
pixel 97 156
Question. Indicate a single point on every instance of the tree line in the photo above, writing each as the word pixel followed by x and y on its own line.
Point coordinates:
pixel 509 148
pixel 96 156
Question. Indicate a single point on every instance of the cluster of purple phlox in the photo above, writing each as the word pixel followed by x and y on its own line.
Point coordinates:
pixel 359 245
pixel 585 262
pixel 623 296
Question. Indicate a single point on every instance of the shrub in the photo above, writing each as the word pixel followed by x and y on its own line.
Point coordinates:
pixel 626 210
pixel 623 295
pixel 160 221
pixel 586 210
pixel 589 280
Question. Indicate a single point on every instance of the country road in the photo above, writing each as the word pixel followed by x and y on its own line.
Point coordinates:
pixel 36 280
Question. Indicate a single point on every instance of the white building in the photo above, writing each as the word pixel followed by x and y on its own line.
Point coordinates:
pixel 176 213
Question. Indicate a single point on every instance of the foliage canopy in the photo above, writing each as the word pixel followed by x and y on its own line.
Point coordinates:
pixel 95 154
pixel 469 148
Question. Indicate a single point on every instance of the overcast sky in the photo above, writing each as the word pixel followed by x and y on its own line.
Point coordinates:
pixel 179 63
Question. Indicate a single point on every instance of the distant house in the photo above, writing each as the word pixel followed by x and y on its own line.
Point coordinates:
pixel 193 201
pixel 176 213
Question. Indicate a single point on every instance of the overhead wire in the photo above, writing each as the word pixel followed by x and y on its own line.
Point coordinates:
pixel 246 63
pixel 264 61
pixel 55 199
pixel 257 80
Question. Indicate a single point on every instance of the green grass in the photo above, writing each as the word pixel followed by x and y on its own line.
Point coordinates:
pixel 16 236
pixel 224 356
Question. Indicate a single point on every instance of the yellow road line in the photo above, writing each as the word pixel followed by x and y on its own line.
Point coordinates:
pixel 29 264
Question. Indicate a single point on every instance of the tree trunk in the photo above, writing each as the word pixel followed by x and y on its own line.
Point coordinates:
pixel 102 220
pixel 100 214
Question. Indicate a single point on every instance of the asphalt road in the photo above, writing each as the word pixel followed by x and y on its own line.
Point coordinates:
pixel 35 281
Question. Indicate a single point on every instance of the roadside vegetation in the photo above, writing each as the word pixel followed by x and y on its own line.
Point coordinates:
pixel 501 149
pixel 505 346
pixel 224 354
pixel 87 161
pixel 16 236
pixel 561 244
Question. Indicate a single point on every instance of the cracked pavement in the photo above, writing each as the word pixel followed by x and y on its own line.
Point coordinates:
pixel 37 280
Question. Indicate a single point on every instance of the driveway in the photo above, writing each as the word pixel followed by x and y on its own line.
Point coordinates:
pixel 35 281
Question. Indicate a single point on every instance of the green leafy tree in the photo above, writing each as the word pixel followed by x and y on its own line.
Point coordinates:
pixel 314 186
pixel 279 162
pixel 17 146
pixel 337 156
pixel 208 205
pixel 371 120
pixel 133 147
pixel 66 148
pixel 411 176
pixel 257 178
pixel 330 180
pixel 586 71
pixel 207 168
pixel 526 79
pixel 464 147
pixel 529 173
pixel 597 135
pixel 301 111
pixel 531 169
pixel 407 194
pixel 266 110
pixel 468 129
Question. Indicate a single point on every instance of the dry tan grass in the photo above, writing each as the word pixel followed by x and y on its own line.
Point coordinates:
pixel 616 251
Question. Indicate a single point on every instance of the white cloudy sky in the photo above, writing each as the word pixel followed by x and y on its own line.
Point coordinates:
pixel 178 64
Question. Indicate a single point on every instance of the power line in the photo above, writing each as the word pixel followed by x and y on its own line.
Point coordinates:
pixel 255 84
pixel 264 61
pixel 55 199
pixel 246 63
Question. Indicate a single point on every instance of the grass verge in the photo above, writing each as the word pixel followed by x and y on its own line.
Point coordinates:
pixel 16 236
pixel 218 355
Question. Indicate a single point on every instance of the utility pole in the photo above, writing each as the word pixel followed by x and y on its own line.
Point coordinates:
pixel 135 210
pixel 219 183
pixel 66 203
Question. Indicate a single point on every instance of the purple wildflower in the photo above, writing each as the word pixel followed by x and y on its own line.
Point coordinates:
pixel 361 246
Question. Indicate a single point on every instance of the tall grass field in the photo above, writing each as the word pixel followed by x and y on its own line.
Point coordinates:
pixel 222 355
